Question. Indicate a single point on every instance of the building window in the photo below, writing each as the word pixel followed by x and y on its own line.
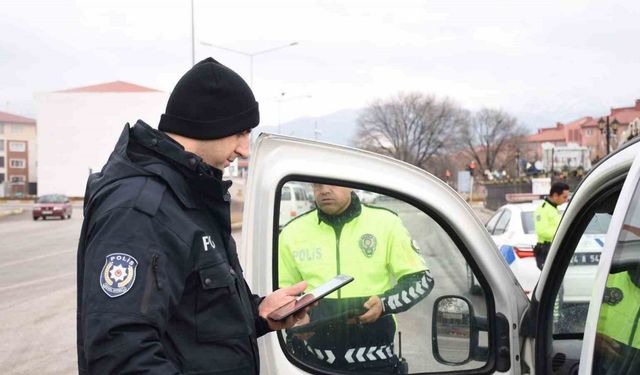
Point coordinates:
pixel 1 142
pixel 1 178
pixel 17 179
pixel 17 146
pixel 1 128
pixel 17 163
pixel 589 132
pixel 1 161
pixel 17 129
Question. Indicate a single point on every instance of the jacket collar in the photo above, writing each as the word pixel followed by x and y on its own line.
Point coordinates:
pixel 182 170
pixel 550 202
pixel 337 221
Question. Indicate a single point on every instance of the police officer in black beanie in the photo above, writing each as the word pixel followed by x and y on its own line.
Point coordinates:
pixel 160 287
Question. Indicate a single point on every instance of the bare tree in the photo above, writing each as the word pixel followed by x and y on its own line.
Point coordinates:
pixel 491 138
pixel 412 127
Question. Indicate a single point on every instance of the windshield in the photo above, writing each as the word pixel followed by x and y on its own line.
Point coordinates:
pixel 51 199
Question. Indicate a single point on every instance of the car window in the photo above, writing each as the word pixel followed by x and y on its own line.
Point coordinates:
pixel 286 193
pixel 617 345
pixel 503 223
pixel 300 195
pixel 52 199
pixel 528 226
pixel 491 224
pixel 400 257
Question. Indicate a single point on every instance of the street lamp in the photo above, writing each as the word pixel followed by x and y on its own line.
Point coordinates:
pixel 607 129
pixel 250 55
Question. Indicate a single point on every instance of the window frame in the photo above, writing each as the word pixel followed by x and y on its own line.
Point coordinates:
pixel 493 319
pixel 24 163
pixel 506 225
pixel 12 145
pixel 23 178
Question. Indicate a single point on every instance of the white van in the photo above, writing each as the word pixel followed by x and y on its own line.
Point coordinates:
pixel 498 331
pixel 295 199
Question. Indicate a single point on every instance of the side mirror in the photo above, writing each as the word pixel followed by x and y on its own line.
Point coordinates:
pixel 453 330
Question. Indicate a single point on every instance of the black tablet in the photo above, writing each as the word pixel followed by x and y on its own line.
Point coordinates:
pixel 283 312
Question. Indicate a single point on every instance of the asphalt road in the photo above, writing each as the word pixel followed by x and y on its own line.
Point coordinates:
pixel 38 293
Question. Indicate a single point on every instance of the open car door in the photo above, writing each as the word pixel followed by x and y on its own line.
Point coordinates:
pixel 567 329
pixel 434 326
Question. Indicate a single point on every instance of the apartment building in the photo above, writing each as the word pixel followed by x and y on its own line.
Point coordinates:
pixel 78 128
pixel 18 150
pixel 587 132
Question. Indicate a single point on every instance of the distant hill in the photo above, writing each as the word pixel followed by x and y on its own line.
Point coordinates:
pixel 337 127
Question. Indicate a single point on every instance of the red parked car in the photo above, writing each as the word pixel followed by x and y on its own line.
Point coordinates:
pixel 56 205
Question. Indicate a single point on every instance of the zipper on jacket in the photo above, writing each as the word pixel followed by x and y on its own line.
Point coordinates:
pixel 155 266
pixel 151 280
pixel 338 232
pixel 635 327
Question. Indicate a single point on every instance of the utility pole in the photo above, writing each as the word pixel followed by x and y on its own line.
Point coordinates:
pixel 193 41
pixel 316 132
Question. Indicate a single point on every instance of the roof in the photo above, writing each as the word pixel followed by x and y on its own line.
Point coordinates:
pixel 15 119
pixel 626 116
pixel 115 86
pixel 548 135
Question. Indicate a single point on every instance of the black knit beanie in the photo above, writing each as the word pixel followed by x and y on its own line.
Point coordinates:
pixel 210 101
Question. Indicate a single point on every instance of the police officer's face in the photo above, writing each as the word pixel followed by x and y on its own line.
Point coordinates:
pixel 559 199
pixel 330 199
pixel 219 153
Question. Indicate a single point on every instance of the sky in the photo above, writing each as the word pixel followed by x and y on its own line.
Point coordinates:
pixel 542 61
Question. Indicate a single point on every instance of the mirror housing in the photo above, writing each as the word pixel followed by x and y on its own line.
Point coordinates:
pixel 454 331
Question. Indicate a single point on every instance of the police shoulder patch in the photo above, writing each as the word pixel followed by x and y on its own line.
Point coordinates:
pixel 118 274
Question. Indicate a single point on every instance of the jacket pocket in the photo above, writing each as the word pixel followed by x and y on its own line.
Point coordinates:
pixel 153 282
pixel 219 314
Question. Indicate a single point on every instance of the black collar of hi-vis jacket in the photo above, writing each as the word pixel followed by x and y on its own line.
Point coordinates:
pixel 184 171
pixel 547 200
pixel 337 221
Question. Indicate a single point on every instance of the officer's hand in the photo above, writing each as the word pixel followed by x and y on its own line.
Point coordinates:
pixel 279 298
pixel 374 310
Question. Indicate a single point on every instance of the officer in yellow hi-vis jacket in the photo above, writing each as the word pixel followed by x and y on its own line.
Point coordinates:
pixel 547 217
pixel 618 333
pixel 344 236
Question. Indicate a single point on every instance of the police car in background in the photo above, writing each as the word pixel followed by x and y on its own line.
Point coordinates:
pixel 503 331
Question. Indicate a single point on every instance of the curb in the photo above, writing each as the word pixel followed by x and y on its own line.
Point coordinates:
pixel 17 211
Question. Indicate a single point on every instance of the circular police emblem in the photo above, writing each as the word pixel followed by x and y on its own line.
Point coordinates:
pixel 118 274
pixel 368 244
pixel 612 296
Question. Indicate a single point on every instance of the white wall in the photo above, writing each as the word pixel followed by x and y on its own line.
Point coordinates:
pixel 78 131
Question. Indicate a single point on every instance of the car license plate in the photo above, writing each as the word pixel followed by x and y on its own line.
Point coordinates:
pixel 47 212
pixel 585 259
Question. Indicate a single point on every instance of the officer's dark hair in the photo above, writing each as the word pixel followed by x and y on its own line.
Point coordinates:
pixel 558 188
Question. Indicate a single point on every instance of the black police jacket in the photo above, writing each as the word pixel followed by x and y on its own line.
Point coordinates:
pixel 160 288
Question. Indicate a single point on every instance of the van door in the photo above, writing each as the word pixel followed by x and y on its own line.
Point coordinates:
pixel 417 226
pixel 612 333
pixel 559 328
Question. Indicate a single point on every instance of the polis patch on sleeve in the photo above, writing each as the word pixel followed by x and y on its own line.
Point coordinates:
pixel 118 274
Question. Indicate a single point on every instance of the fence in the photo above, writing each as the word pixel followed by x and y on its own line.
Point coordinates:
pixel 495 196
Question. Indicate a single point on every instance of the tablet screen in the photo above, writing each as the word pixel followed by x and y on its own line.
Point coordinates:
pixel 308 298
